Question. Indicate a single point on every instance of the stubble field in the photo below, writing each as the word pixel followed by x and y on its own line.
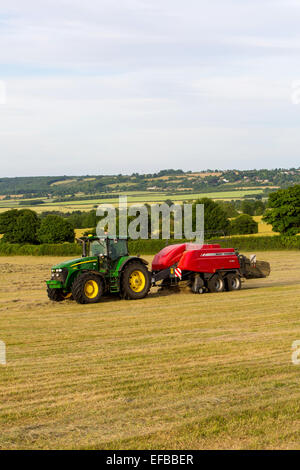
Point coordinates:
pixel 177 371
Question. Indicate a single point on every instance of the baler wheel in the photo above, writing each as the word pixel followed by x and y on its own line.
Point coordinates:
pixel 216 284
pixel 87 288
pixel 233 282
pixel 135 281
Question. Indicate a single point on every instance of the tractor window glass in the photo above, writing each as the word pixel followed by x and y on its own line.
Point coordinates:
pixel 97 248
pixel 117 248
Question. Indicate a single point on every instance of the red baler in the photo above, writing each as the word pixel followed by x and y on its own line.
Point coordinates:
pixel 205 267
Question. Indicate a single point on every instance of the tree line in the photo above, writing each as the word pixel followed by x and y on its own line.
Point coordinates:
pixel 170 180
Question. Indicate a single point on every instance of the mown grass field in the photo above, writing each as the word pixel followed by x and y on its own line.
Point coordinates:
pixel 177 371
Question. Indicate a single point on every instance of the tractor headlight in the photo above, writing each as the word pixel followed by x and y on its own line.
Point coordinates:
pixel 59 274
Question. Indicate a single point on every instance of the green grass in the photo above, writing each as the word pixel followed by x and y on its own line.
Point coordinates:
pixel 160 197
pixel 177 371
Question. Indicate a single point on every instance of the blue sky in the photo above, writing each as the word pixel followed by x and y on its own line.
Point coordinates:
pixel 100 87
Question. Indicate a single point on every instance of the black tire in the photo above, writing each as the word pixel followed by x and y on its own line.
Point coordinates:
pixel 87 288
pixel 197 284
pixel 135 286
pixel 233 282
pixel 56 295
pixel 216 284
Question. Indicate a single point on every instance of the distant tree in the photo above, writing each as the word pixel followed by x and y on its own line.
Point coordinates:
pixel 253 207
pixel 27 225
pixel 248 207
pixel 243 225
pixel 169 202
pixel 228 208
pixel 8 220
pixel 90 219
pixel 55 229
pixel 284 211
pixel 260 207
pixel 215 218
pixel 19 226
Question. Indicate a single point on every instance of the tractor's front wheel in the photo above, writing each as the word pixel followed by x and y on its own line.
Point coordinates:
pixel 56 295
pixel 87 288
pixel 135 281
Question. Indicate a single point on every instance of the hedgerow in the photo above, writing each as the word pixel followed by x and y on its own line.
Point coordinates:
pixel 150 247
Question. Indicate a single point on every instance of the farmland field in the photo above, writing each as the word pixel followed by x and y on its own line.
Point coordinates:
pixel 264 229
pixel 134 197
pixel 178 371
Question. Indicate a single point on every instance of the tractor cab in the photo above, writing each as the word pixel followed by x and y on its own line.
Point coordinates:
pixel 112 248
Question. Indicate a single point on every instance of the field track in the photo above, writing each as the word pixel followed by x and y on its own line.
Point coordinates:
pixel 177 371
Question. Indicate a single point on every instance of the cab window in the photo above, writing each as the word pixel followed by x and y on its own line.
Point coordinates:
pixel 97 248
pixel 117 248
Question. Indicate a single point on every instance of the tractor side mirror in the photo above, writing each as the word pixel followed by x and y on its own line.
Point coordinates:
pixel 81 242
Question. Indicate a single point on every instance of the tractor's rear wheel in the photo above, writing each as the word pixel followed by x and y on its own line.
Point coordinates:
pixel 87 288
pixel 135 281
pixel 233 282
pixel 216 284
pixel 56 295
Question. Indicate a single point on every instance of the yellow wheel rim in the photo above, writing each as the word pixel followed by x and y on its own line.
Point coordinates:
pixel 91 289
pixel 137 281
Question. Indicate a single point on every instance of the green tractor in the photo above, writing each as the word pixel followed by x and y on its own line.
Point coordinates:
pixel 104 268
